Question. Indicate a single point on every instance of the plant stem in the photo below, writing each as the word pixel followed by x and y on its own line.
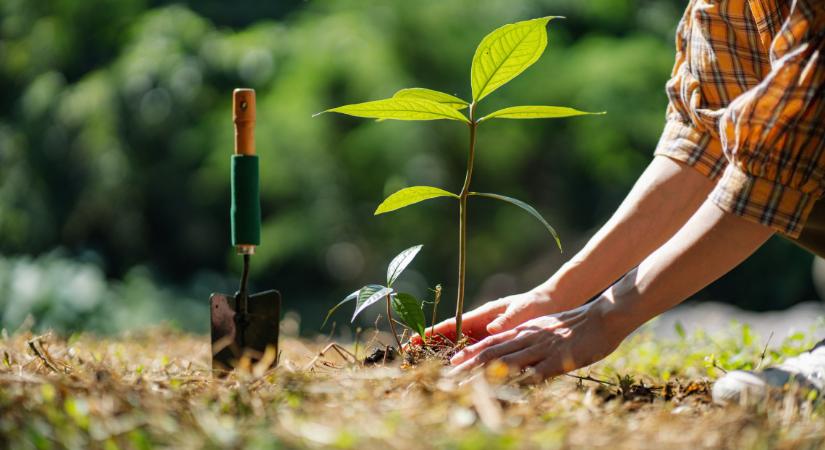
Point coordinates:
pixel 392 325
pixel 462 225
pixel 435 310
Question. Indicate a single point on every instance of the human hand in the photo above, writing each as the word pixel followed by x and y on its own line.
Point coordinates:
pixel 495 316
pixel 551 345
pixel 474 324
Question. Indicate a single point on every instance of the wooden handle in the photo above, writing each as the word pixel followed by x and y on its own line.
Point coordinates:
pixel 243 114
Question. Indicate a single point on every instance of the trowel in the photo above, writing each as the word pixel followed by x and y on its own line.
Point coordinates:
pixel 245 326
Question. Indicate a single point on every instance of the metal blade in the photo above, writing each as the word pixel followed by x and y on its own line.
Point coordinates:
pixel 234 336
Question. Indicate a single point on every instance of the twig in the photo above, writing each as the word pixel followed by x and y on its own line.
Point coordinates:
pixel 376 331
pixel 344 353
pixel 717 366
pixel 331 331
pixel 34 344
pixel 435 310
pixel 446 339
pixel 589 378
pixel 357 337
pixel 764 351
pixel 386 352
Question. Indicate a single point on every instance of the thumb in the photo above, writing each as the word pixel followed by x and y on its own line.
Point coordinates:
pixel 509 319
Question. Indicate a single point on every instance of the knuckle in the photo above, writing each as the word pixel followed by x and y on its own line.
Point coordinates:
pixel 527 333
pixel 485 355
pixel 509 360
pixel 486 342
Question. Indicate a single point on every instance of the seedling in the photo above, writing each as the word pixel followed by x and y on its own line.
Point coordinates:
pixel 500 57
pixel 408 309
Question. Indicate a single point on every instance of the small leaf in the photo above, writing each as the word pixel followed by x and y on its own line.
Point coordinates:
pixel 433 96
pixel 409 311
pixel 400 262
pixel 505 53
pixel 401 109
pixel 525 207
pixel 348 298
pixel 409 196
pixel 368 295
pixel 680 330
pixel 536 112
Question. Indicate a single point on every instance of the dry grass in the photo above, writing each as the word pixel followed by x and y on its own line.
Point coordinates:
pixel 154 390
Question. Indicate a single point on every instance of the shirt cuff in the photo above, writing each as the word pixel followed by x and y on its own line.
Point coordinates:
pixel 700 150
pixel 760 200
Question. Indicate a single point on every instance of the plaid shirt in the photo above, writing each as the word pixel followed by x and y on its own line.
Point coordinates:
pixel 747 105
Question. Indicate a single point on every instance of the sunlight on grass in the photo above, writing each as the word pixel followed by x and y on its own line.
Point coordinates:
pixel 154 389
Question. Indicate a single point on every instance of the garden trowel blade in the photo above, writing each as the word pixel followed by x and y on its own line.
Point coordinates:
pixel 235 336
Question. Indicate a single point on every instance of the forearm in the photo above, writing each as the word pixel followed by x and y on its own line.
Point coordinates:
pixel 708 246
pixel 661 201
pixel 711 243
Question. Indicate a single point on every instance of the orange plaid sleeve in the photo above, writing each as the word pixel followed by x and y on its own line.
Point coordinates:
pixel 712 39
pixel 774 134
pixel 747 105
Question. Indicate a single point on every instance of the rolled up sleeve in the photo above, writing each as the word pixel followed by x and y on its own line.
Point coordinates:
pixel 690 134
pixel 773 135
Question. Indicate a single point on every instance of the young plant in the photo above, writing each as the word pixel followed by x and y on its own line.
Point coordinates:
pixel 408 309
pixel 501 56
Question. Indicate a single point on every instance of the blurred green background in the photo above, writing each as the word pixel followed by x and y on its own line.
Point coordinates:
pixel 115 135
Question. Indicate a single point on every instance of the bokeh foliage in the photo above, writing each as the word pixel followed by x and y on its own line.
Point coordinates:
pixel 115 134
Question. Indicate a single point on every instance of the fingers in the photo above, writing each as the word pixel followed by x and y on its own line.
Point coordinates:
pixel 474 324
pixel 515 314
pixel 561 362
pixel 475 349
pixel 525 357
pixel 490 354
pixel 547 368
pixel 548 323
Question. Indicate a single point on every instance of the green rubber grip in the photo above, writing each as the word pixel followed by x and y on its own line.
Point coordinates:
pixel 246 201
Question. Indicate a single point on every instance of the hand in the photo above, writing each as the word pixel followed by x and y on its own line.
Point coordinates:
pixel 550 345
pixel 495 316
pixel 474 324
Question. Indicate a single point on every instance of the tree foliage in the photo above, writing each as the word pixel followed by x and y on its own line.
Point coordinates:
pixel 114 136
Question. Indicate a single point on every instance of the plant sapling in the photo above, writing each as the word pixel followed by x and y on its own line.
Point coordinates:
pixel 408 309
pixel 500 57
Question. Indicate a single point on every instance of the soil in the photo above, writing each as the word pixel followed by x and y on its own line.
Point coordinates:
pixel 154 389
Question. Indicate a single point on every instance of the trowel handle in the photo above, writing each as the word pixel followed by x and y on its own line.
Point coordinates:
pixel 243 114
pixel 246 205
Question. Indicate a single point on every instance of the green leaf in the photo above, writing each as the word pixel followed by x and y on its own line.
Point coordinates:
pixel 409 311
pixel 409 196
pixel 368 295
pixel 525 207
pixel 505 53
pixel 536 112
pixel 348 298
pixel 400 262
pixel 401 109
pixel 680 330
pixel 433 96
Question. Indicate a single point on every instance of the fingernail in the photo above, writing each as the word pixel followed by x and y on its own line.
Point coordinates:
pixel 456 357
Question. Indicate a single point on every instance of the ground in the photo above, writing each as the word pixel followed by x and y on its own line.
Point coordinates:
pixel 153 390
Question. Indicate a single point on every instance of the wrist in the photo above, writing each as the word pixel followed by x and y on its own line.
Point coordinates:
pixel 622 306
pixel 540 294
pixel 557 289
pixel 613 318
